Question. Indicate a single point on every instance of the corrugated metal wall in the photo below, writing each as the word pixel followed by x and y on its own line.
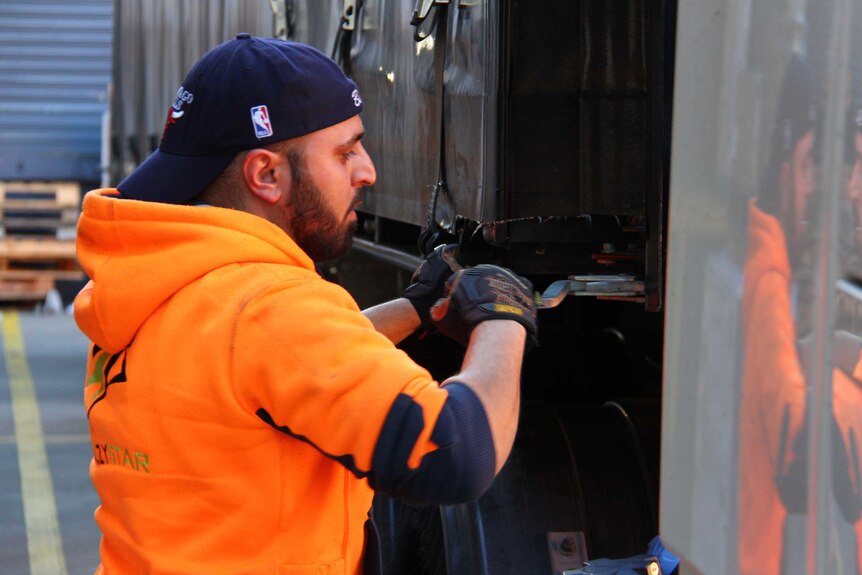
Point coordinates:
pixel 55 68
pixel 157 43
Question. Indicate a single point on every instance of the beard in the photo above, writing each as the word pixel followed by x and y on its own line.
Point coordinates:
pixel 321 233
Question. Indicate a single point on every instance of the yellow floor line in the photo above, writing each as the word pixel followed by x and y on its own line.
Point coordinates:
pixel 37 490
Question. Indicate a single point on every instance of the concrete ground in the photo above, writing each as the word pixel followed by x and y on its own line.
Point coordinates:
pixel 46 499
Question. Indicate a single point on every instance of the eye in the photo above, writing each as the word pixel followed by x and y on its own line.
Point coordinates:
pixel 348 155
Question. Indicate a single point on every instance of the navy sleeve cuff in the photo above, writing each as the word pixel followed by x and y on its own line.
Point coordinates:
pixel 461 469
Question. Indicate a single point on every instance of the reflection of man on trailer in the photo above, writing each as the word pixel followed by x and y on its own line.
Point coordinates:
pixel 772 409
pixel 776 407
pixel 847 353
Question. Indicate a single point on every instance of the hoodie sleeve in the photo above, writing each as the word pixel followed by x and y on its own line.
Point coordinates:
pixel 308 363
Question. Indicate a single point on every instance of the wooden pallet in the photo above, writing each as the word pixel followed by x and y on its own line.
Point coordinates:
pixel 30 268
pixel 39 209
pixel 33 288
pixel 37 238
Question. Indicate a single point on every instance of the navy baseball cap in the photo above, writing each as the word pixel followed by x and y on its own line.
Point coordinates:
pixel 246 93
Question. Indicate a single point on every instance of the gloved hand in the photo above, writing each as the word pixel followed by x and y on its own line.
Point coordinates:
pixel 428 282
pixel 482 293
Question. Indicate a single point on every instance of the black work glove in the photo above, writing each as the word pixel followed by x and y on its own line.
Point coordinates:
pixel 482 293
pixel 428 282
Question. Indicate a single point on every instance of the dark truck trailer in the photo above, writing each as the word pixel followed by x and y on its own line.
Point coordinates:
pixel 549 140
pixel 616 154
pixel 534 135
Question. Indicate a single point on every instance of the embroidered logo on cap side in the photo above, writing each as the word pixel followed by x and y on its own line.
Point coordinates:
pixel 260 120
pixel 175 112
pixel 357 100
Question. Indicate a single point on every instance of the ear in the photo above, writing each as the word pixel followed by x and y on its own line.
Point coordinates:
pixel 266 174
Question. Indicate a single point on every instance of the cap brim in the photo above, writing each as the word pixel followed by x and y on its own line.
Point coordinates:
pixel 173 179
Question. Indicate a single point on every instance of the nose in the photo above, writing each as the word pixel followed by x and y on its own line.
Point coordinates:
pixel 365 174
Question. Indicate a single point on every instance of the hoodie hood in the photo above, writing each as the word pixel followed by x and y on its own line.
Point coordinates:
pixel 139 254
pixel 767 246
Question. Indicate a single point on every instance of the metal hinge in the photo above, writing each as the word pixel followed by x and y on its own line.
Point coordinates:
pixel 279 18
pixel 422 9
pixel 348 15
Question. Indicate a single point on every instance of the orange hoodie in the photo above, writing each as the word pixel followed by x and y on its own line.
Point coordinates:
pixel 772 406
pixel 210 327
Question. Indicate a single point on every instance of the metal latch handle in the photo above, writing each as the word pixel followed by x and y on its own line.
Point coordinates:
pixel 591 285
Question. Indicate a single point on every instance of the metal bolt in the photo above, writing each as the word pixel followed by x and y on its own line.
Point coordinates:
pixel 568 546
pixel 653 568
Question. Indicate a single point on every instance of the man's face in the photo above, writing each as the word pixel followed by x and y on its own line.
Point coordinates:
pixel 327 180
pixel 854 187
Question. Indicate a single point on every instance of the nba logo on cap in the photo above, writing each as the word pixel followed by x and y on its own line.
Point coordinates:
pixel 260 120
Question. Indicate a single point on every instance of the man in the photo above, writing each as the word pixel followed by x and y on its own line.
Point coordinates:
pixel 241 408
pixel 847 352
pixel 773 389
